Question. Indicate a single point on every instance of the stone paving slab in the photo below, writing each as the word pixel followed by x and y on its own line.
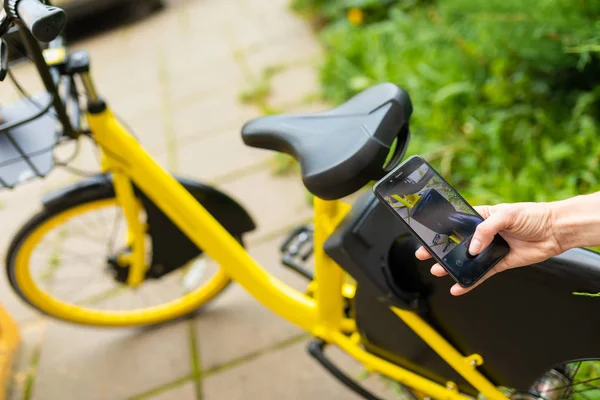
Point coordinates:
pixel 219 155
pixel 204 79
pixel 235 325
pixel 292 84
pixel 274 202
pixel 99 364
pixel 290 373
pixel 207 114
pixel 287 373
pixel 288 49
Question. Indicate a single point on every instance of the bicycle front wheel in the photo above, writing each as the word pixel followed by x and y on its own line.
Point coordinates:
pixel 62 262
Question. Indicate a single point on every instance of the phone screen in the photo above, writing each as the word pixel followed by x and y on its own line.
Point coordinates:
pixel 440 218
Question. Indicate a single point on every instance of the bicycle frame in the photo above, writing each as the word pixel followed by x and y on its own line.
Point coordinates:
pixel 321 315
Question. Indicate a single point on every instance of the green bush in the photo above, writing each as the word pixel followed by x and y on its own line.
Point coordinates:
pixel 506 93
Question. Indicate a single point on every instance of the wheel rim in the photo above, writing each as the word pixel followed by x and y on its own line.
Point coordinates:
pixel 85 309
pixel 577 380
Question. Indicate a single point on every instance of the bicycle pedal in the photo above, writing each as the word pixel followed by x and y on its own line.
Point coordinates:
pixel 297 248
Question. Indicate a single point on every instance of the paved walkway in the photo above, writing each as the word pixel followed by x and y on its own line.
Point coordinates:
pixel 177 79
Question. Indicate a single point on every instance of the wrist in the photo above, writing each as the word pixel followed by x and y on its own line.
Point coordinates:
pixel 576 221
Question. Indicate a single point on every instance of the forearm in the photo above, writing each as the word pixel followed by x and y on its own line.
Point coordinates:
pixel 576 221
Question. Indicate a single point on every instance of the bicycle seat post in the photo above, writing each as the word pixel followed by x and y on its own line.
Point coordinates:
pixel 329 276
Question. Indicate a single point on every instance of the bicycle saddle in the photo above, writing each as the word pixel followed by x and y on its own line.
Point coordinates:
pixel 343 149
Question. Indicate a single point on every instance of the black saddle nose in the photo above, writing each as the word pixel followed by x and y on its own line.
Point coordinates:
pixel 342 149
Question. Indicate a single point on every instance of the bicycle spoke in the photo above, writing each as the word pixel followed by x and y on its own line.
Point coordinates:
pixel 575 384
pixel 89 239
pixel 569 392
pixel 102 296
pixel 82 228
pixel 143 296
pixel 110 243
pixel 78 258
pixel 93 223
pixel 577 369
pixel 582 395
pixel 70 263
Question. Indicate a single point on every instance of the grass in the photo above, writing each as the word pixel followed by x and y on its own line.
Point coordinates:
pixel 162 389
pixel 260 90
pixel 258 95
pixel 586 294
pixel 506 95
pixel 251 356
pixel 32 372
pixel 195 359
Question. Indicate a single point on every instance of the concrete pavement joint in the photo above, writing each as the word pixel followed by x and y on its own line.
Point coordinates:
pixel 33 365
pixel 251 356
pixel 162 388
pixel 220 368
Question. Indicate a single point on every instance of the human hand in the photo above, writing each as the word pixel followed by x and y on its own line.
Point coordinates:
pixel 528 229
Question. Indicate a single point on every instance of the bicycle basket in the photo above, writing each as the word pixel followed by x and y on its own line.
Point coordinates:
pixel 28 136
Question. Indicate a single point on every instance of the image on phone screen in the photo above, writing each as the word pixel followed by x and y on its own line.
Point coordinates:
pixel 440 218
pixel 436 213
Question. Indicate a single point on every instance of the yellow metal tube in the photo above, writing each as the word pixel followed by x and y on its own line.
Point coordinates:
pixel 135 228
pixel 394 372
pixel 198 224
pixel 9 343
pixel 328 275
pixel 466 366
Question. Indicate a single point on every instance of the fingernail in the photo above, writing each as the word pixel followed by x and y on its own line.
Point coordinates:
pixel 475 247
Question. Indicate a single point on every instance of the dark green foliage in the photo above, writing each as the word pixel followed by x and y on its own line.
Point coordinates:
pixel 506 92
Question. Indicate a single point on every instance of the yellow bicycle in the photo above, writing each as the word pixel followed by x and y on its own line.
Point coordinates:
pixel 162 246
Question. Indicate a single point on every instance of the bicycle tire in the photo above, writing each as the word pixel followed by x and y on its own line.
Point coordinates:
pixel 38 225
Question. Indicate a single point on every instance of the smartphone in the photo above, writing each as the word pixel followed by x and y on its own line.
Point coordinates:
pixel 439 218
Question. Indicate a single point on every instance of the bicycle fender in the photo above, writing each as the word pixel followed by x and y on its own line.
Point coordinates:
pixel 171 248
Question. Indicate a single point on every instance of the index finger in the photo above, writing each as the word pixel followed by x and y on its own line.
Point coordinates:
pixel 484 211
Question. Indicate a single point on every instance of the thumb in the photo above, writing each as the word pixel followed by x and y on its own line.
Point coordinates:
pixel 485 232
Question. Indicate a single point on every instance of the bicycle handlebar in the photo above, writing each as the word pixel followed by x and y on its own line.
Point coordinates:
pixel 43 21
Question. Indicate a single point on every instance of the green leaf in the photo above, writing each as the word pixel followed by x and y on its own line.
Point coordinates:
pixel 558 152
pixel 359 83
pixel 586 294
pixel 498 103
pixel 452 90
